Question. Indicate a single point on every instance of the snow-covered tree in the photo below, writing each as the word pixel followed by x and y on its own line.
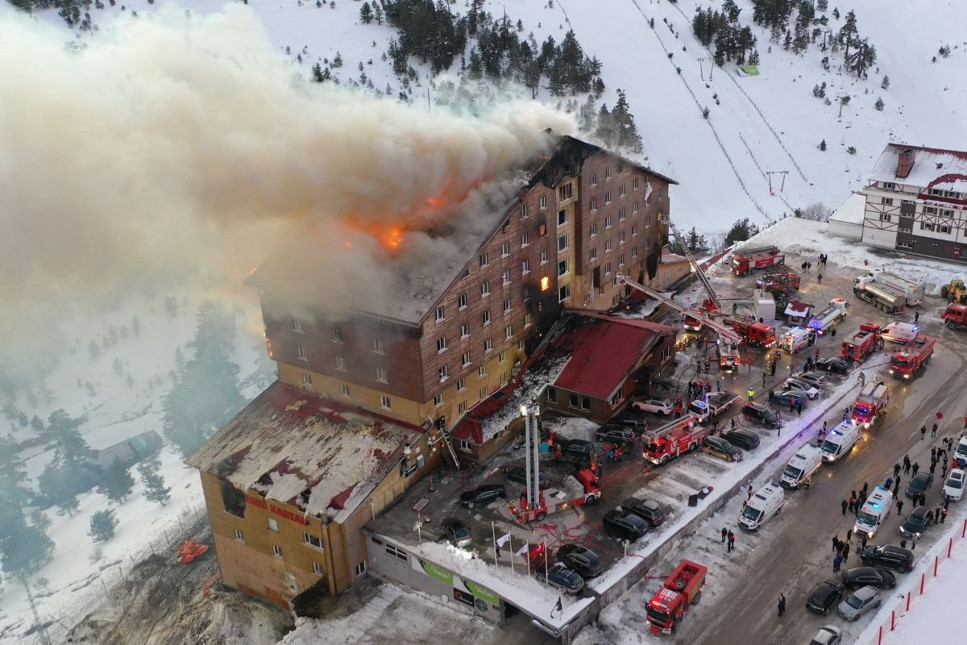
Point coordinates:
pixel 116 482
pixel 102 526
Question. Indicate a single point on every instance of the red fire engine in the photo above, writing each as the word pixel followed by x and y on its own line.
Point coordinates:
pixel 578 490
pixel 753 332
pixel 912 359
pixel 751 259
pixel 955 316
pixel 863 343
pixel 678 437
pixel 681 589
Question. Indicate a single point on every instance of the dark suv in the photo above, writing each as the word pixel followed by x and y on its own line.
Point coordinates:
pixel 482 495
pixel 722 449
pixel 760 415
pixel 889 557
pixel 624 525
pixel 580 558
pixel 647 509
pixel 576 449
pixel 621 435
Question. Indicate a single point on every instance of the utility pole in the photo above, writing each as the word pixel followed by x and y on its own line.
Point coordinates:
pixel 711 67
pixel 770 173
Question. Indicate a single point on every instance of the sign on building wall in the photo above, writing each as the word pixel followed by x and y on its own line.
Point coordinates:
pixel 465 591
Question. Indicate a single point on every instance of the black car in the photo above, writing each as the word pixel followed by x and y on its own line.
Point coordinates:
pixel 482 495
pixel 919 484
pixel 560 576
pixel 916 522
pixel 888 556
pixel 576 449
pixel 518 474
pixel 722 449
pixel 761 415
pixel 745 439
pixel 580 558
pixel 624 525
pixel 826 595
pixel 873 576
pixel 647 509
pixel 621 435
pixel 833 366
pixel 456 533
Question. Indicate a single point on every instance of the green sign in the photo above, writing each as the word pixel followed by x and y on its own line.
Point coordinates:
pixel 751 70
pixel 481 592
pixel 437 572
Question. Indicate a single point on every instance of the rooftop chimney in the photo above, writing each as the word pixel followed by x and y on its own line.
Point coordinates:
pixel 904 163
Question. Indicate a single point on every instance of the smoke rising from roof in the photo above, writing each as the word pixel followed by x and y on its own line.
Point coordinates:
pixel 167 144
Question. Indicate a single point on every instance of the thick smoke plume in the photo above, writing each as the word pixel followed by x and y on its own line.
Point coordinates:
pixel 168 144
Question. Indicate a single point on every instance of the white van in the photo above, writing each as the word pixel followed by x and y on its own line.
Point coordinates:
pixel 960 453
pixel 840 440
pixel 764 504
pixel 874 512
pixel 803 464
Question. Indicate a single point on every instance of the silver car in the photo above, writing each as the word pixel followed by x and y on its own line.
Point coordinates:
pixel 797 384
pixel 828 635
pixel 859 602
pixel 658 406
pixel 816 379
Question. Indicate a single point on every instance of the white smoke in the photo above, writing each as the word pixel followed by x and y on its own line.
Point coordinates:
pixel 173 144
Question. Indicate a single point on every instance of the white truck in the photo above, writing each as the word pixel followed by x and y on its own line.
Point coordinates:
pixel 875 510
pixel 840 441
pixel 712 405
pixel 828 317
pixel 900 333
pixel 764 504
pixel 796 339
pixel 803 464
pixel 910 289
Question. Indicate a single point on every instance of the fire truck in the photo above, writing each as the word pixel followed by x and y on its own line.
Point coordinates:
pixel 750 259
pixel 912 359
pixel 832 314
pixel 863 343
pixel 675 438
pixel 871 404
pixel 955 316
pixel 680 590
pixel 753 332
pixel 577 490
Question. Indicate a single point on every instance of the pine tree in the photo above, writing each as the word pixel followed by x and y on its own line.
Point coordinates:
pixel 154 483
pixel 848 34
pixel 25 546
pixel 58 488
pixel 741 230
pixel 822 145
pixel 377 12
pixel 116 482
pixel 885 83
pixel 879 105
pixel 366 14
pixel 102 526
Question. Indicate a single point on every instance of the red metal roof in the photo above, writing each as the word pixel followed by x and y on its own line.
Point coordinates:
pixel 604 351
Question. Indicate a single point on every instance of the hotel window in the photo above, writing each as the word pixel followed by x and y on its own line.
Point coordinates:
pixel 508 332
pixel 484 260
pixel 506 277
pixel 489 345
pixel 485 289
pixel 607 269
pixel 462 301
pixel 552 395
pixel 528 321
pixel 607 173
pixel 594 179
pixel 341 363
pixel 504 249
pixel 565 192
pixel 886 201
pixel 336 336
pixel 464 445
pixel 621 191
pixel 607 222
pixel 562 267
pixel 277 550
pixel 562 217
pixel 361 568
pixel 563 242
pixel 444 373
pixel 239 536
pixel 344 390
pixel 486 317
pixel 544 256
pixel 926 226
pixel 506 226
pixel 607 197
pixel 461 385
pixel 297 325
pixel 482 393
pixel 634 251
pixel 542 229
pixel 634 229
pixel 385 402
pixel 378 345
pixel 593 230
pixel 482 371
pixel 507 305
pixel 440 314
pixel 465 359
pixel 884 217
pixel 312 540
pixel 461 407
pixel 525 267
pixel 306 378
pixel 273 524
pixel 501 357
pixel 317 568
pixel 593 204
pixel 634 207
pixel 381 375
pixel 441 344
pixel 607 246
pixel 437 400
pixel 634 184
pixel 464 330
pixel 542 202
pixel 523 211
pixel 593 254
pixel 301 352
pixel 525 238
pixel 621 260
pixel 889 185
pixel 621 237
pixel 564 293
pixel 621 215
pixel 397 552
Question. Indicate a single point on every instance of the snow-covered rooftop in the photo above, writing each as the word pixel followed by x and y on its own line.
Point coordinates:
pixel 929 164
pixel 304 451
pixel 851 211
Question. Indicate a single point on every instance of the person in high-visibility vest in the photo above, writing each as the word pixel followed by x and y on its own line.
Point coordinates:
pixel 751 394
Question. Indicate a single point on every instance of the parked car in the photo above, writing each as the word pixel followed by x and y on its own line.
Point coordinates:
pixel 580 558
pixel 622 524
pixel 833 366
pixel 954 486
pixel 575 448
pixel 560 576
pixel 745 439
pixel 859 602
pixel 760 415
pixel 816 379
pixel 920 483
pixel 721 448
pixel 828 635
pixel 657 406
pixel 788 398
pixel 889 557
pixel 456 533
pixel 647 509
pixel 794 384
pixel 518 475
pixel 621 435
pixel 824 596
pixel 874 576
pixel 916 522
pixel 482 495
